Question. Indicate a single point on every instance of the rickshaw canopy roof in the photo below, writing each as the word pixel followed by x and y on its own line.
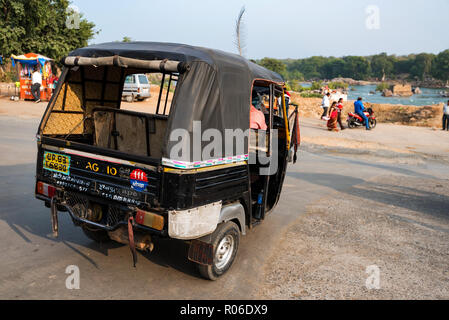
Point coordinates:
pixel 176 52
pixel 215 89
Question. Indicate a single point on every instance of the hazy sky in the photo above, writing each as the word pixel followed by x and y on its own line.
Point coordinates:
pixel 280 29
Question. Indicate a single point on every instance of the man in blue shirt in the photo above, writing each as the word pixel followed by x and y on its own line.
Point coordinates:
pixel 359 109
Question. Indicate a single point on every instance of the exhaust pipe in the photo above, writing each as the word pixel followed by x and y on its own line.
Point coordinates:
pixel 143 242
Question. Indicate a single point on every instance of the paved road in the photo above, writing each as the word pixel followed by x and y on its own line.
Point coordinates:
pixel 32 264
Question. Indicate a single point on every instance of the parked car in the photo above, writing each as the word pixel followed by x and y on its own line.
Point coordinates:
pixel 136 87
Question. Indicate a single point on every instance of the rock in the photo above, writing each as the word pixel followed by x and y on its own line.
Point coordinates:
pixel 402 90
pixel 417 90
pixel 387 93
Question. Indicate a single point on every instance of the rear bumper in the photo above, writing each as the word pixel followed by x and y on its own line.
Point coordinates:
pixel 78 221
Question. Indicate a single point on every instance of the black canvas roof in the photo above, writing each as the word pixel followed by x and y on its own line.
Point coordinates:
pixel 176 52
pixel 216 89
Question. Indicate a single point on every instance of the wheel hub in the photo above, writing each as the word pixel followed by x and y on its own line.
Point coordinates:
pixel 224 252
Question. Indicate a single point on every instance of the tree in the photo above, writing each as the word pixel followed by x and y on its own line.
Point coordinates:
pixel 40 26
pixel 333 68
pixel 274 65
pixel 357 68
pixel 422 65
pixel 440 68
pixel 126 39
pixel 382 66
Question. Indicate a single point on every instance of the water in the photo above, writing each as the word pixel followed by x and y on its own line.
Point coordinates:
pixel 426 98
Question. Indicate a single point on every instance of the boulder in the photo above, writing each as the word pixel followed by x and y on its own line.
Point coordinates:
pixel 387 93
pixel 402 90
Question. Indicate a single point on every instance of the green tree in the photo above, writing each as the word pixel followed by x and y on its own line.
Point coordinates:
pixel 440 68
pixel 422 65
pixel 126 39
pixel 41 26
pixel 274 65
pixel 382 66
pixel 357 67
pixel 333 68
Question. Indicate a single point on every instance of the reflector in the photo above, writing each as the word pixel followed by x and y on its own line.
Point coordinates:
pixel 45 189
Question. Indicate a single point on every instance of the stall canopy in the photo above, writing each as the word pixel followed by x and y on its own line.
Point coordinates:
pixel 30 58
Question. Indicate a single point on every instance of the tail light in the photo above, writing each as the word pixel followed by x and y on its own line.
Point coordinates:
pixel 46 189
pixel 149 219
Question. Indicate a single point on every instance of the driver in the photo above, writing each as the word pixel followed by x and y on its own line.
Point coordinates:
pixel 359 109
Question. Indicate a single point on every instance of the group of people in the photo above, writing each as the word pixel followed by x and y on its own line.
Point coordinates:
pixel 332 113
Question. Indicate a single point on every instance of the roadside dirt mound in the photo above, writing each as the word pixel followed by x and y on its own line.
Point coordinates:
pixel 427 116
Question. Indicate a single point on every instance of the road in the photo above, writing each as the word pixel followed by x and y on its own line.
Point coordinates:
pixel 33 264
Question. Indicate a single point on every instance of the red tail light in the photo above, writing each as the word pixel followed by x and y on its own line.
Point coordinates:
pixel 46 189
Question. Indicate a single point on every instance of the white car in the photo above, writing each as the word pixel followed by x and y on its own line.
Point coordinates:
pixel 137 87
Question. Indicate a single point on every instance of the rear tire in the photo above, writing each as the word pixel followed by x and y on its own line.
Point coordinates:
pixel 373 123
pixel 351 124
pixel 100 236
pixel 226 241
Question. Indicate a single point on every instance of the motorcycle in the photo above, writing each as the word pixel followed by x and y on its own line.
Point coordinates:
pixel 354 120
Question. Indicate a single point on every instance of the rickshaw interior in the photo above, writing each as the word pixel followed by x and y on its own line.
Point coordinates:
pixel 88 109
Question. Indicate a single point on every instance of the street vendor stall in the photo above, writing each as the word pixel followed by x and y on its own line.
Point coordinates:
pixel 25 66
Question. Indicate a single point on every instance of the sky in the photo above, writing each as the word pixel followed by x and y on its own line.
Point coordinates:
pixel 279 29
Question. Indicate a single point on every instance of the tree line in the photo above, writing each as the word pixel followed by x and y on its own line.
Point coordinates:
pixel 380 67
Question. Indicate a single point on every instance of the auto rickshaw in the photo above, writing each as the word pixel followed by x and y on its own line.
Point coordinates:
pixel 188 167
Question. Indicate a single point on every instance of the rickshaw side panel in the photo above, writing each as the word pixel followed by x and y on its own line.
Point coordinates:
pixel 184 191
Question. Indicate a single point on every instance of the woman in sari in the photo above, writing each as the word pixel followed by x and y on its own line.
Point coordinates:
pixel 333 115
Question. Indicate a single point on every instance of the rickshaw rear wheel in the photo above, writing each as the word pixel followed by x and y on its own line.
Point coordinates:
pixel 97 235
pixel 225 241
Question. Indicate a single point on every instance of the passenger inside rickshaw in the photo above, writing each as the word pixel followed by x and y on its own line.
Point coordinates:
pixel 264 188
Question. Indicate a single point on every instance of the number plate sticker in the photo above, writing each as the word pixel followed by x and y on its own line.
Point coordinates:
pixel 57 163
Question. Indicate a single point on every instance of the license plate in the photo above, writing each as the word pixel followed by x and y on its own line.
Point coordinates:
pixel 57 163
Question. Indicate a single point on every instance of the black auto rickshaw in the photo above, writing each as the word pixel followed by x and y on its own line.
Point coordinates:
pixel 188 167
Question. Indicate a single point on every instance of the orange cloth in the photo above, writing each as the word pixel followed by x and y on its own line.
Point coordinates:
pixel 257 119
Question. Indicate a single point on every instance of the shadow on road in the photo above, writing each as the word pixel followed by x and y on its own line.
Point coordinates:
pixel 26 215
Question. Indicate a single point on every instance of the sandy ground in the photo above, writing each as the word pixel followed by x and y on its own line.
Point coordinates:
pixel 401 227
pixel 387 142
pixel 354 199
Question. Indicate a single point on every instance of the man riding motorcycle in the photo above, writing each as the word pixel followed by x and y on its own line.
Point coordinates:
pixel 359 109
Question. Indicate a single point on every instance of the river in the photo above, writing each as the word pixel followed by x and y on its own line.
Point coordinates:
pixel 427 97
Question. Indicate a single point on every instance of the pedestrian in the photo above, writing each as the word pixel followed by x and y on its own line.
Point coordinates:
pixel 333 118
pixel 340 112
pixel 446 117
pixel 325 105
pixel 36 79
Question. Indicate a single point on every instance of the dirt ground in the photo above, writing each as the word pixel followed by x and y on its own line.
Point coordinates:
pixel 29 109
pixel 401 230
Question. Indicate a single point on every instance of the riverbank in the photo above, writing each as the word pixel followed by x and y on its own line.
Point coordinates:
pixel 426 116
